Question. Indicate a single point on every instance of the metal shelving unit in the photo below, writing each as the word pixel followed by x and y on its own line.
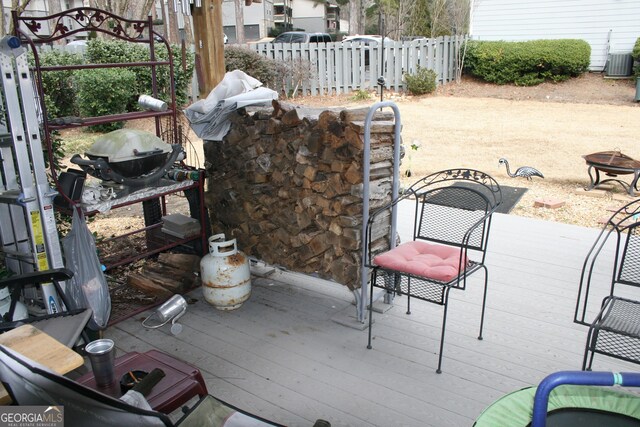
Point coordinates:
pixel 36 31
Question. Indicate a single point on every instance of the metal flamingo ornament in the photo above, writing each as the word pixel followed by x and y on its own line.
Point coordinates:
pixel 522 172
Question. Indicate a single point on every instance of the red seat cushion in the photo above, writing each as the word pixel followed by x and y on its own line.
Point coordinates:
pixel 419 258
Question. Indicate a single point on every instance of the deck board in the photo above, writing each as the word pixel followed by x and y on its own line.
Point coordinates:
pixel 282 356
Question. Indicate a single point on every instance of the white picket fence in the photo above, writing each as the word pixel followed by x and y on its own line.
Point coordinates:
pixel 335 68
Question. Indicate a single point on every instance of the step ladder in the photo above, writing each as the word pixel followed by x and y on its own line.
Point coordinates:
pixel 28 232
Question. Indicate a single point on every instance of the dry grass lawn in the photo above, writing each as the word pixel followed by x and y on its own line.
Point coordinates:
pixel 549 127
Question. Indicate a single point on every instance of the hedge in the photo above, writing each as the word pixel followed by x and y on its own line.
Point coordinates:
pixel 266 70
pixel 636 58
pixel 61 96
pixel 105 52
pixel 104 91
pixel 527 63
pixel 59 93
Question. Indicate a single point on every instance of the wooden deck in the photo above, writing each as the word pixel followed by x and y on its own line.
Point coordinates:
pixel 283 357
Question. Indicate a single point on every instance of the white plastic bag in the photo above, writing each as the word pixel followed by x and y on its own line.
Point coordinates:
pixel 88 287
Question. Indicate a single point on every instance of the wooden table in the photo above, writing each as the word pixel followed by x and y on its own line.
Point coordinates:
pixel 42 348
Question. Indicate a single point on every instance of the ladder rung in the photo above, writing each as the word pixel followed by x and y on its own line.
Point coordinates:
pixel 17 255
pixel 6 140
pixel 14 197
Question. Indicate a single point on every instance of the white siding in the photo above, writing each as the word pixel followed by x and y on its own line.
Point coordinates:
pixel 260 14
pixel 590 20
pixel 308 15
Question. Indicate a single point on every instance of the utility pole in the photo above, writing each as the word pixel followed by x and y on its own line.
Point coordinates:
pixel 209 42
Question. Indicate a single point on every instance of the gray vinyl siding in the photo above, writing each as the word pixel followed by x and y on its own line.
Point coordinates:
pixel 590 20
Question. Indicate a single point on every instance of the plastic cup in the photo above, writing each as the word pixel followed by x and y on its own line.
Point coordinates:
pixel 102 355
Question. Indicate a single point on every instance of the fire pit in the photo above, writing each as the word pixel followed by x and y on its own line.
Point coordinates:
pixel 612 163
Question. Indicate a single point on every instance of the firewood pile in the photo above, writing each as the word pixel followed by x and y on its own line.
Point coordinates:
pixel 287 184
pixel 169 274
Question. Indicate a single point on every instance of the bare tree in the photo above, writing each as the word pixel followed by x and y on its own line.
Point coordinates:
pixel 357 16
pixel 438 12
pixel 418 21
pixel 19 6
pixel 172 33
pixel 55 7
pixel 459 16
pixel 239 21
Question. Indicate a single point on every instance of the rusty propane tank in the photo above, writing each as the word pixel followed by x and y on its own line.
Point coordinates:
pixel 226 279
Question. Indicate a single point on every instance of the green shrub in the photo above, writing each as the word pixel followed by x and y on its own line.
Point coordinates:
pixel 636 58
pixel 116 51
pixel 422 82
pixel 59 93
pixel 104 91
pixel 252 63
pixel 360 95
pixel 527 63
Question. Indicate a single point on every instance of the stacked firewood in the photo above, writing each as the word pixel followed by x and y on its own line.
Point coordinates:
pixel 169 274
pixel 287 184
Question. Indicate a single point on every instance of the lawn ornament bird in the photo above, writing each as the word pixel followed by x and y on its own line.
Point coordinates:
pixel 522 172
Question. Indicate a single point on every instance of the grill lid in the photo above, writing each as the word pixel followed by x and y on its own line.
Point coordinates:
pixel 127 144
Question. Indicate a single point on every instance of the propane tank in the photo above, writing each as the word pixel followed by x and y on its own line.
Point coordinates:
pixel 226 279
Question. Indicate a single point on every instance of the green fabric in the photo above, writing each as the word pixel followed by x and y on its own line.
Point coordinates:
pixel 516 409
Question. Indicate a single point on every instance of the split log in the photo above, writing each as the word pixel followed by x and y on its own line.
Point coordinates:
pixel 360 114
pixel 185 262
pixel 148 286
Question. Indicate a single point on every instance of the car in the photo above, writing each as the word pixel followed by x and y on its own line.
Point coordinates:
pixel 302 37
pixel 367 40
pixel 76 46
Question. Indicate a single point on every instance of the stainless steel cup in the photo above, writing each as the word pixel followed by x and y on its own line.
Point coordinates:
pixel 102 355
pixel 171 308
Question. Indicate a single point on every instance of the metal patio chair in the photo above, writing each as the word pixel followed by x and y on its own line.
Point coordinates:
pixel 615 331
pixel 453 210
pixel 66 326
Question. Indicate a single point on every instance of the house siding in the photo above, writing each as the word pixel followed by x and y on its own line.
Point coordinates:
pixel 607 25
pixel 258 19
pixel 309 16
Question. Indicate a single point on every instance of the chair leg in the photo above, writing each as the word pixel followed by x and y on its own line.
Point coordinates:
pixel 374 276
pixel 592 335
pixel 484 301
pixel 444 326
pixel 408 295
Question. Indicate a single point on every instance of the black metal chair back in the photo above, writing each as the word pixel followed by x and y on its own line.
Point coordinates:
pixel 623 233
pixel 614 332
pixel 440 225
pixel 629 271
pixel 453 208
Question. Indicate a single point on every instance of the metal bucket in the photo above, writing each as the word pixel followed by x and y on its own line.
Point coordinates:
pixel 226 279
pixel 170 311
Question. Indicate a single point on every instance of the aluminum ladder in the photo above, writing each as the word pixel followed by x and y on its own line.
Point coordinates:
pixel 28 232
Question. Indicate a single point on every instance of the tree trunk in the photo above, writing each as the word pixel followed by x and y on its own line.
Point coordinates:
pixel 239 21
pixel 207 23
pixel 54 7
pixel 354 16
pixel 18 6
pixel 173 34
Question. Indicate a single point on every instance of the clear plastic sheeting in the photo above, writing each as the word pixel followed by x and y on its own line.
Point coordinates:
pixel 209 117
